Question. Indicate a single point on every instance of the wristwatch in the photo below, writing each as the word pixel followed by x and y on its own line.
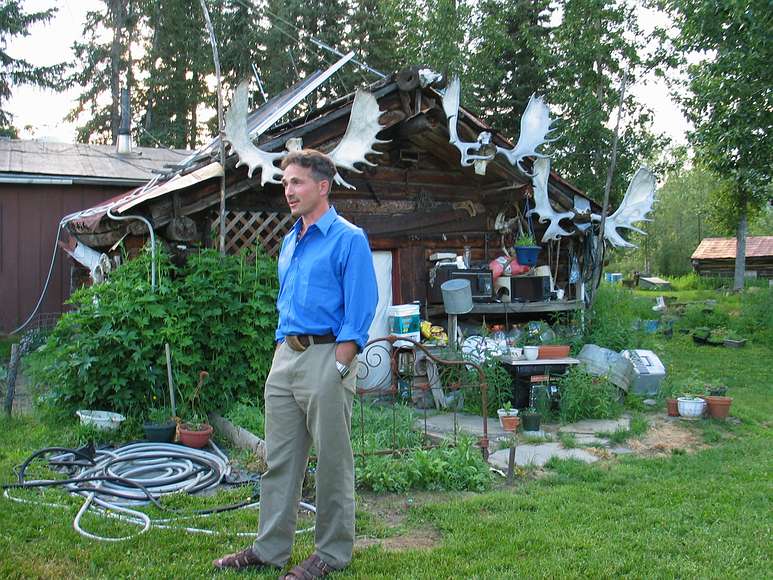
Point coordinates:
pixel 343 369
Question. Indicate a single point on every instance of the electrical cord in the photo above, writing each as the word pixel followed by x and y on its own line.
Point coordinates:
pixel 115 483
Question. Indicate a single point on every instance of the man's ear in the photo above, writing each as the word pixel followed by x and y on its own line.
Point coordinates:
pixel 324 187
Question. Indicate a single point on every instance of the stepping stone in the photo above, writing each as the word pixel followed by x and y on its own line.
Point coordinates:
pixel 583 439
pixel 538 455
pixel 443 425
pixel 593 426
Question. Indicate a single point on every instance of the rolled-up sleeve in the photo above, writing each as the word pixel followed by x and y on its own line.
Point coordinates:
pixel 360 292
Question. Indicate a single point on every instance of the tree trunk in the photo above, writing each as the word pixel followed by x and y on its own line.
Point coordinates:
pixel 118 9
pixel 740 250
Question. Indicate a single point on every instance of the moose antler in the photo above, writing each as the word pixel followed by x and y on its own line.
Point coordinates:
pixel 535 127
pixel 451 109
pixel 542 202
pixel 237 136
pixel 360 136
pixel 635 206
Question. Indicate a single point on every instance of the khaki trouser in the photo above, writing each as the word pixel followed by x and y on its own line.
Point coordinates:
pixel 307 402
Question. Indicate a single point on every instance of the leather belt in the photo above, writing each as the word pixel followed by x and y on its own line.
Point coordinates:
pixel 300 342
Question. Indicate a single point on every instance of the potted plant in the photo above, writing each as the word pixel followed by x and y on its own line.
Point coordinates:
pixel 194 430
pixel 554 348
pixel 716 337
pixel 526 249
pixel 701 334
pixel 733 340
pixel 717 404
pixel 160 427
pixel 690 406
pixel 508 417
pixel 531 419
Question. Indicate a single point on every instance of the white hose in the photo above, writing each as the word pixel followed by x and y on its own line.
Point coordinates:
pixel 161 469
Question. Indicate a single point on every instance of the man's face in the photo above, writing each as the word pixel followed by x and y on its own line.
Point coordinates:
pixel 305 196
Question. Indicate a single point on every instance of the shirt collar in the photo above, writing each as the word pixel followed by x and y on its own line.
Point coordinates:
pixel 323 224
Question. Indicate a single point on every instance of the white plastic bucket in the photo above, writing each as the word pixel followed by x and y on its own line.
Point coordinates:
pixel 404 321
pixel 102 420
pixel 457 296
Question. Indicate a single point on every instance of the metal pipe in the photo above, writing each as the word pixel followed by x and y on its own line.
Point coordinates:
pixel 121 218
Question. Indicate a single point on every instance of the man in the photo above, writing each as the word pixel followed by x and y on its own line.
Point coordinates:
pixel 327 300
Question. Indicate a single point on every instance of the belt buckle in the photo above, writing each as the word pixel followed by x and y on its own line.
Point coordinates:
pixel 294 343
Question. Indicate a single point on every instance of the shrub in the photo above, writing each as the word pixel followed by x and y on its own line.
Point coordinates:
pixel 614 318
pixel 584 396
pixel 217 314
pixel 756 317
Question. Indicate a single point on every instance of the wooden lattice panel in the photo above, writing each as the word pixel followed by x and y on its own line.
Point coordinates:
pixel 246 229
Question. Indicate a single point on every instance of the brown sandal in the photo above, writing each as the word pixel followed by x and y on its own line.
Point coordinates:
pixel 310 568
pixel 239 561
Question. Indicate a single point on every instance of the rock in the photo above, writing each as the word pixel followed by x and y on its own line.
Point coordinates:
pixel 650 402
pixel 538 455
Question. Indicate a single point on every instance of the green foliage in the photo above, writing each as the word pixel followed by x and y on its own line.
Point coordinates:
pixel 385 427
pixel 445 468
pixel 216 313
pixel 247 416
pixel 756 317
pixel 15 21
pixel 499 388
pixel 638 427
pixel 614 318
pixel 584 396
pixel 567 440
pixel 525 239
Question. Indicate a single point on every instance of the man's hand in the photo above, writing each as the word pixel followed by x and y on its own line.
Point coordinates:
pixel 346 351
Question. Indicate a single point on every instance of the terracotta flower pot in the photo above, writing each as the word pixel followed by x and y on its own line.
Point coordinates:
pixel 719 407
pixel 196 438
pixel 554 351
pixel 672 405
pixel 510 423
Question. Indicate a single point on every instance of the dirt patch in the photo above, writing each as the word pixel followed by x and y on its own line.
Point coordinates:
pixel 416 539
pixel 663 437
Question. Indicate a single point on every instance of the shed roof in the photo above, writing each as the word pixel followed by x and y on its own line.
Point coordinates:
pixel 719 248
pixel 41 158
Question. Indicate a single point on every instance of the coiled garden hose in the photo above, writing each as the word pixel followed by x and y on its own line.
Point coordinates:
pixel 114 481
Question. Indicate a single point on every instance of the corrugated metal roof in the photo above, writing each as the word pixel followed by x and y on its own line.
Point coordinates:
pixel 718 248
pixel 80 160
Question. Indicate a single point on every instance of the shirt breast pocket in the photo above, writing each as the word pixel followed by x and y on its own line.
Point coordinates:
pixel 324 288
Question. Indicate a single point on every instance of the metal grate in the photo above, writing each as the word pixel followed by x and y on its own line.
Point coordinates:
pixel 245 229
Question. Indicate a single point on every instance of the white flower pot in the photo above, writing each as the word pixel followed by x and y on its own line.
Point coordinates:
pixel 531 352
pixel 690 407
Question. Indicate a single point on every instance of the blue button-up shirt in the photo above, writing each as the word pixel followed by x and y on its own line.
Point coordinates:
pixel 327 283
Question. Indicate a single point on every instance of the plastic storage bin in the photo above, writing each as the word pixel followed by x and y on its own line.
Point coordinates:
pixel 647 372
pixel 404 322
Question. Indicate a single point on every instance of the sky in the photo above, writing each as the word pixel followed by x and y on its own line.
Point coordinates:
pixel 43 110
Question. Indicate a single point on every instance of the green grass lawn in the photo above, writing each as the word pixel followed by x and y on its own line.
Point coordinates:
pixel 705 514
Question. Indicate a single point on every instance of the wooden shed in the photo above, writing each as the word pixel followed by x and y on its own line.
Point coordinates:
pixel 40 184
pixel 417 200
pixel 716 257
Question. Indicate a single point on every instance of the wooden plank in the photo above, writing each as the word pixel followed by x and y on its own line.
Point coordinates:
pixel 515 307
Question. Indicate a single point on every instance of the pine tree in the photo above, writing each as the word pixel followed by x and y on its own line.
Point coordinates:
pixel 14 21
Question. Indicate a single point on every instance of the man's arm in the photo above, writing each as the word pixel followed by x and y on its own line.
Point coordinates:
pixel 360 300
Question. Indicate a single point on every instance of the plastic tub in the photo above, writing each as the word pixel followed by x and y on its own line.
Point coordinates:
pixel 404 322
pixel 457 296
pixel 691 408
pixel 102 420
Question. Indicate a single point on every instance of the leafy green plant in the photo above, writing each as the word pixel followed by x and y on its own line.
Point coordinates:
pixel 217 313
pixel 584 396
pixel 525 239
pixel 159 415
pixel 459 468
pixel 614 319
pixel 247 416
pixel 499 388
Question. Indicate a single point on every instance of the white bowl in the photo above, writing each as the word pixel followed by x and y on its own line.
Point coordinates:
pixel 102 420
pixel 531 352
pixel 689 407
